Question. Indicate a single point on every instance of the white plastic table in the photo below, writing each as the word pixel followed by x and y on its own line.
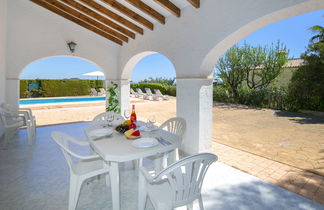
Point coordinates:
pixel 117 149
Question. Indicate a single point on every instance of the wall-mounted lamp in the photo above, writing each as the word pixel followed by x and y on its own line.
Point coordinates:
pixel 71 46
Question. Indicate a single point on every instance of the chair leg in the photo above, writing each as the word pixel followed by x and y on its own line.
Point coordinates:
pixel 30 135
pixel 201 205
pixel 75 186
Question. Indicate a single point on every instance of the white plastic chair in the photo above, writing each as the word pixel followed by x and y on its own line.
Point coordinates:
pixel 160 95
pixel 88 166
pixel 25 113
pixel 11 122
pixel 176 126
pixel 179 184
pixel 102 118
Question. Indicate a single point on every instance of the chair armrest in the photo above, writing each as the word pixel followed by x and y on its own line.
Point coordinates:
pixel 83 157
pixel 147 176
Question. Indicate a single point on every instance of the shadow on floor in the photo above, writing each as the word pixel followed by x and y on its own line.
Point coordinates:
pixel 300 118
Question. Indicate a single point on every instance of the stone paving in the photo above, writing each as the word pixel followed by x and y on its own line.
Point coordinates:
pixel 304 183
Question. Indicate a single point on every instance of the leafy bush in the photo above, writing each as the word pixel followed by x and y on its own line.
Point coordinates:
pixel 220 94
pixel 172 91
pixel 23 88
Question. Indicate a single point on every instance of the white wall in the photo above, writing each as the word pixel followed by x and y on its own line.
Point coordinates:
pixel 34 33
pixel 3 19
pixel 186 41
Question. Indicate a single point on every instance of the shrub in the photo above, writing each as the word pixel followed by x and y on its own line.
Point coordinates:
pixel 23 88
pixel 172 91
pixel 220 94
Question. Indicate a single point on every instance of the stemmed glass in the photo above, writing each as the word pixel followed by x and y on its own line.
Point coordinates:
pixel 150 122
pixel 110 119
pixel 127 113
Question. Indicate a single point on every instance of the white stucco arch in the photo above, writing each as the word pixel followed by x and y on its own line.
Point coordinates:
pixel 217 51
pixel 57 56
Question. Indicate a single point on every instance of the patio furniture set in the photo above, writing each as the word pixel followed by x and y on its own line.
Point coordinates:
pixel 171 184
pixel 156 96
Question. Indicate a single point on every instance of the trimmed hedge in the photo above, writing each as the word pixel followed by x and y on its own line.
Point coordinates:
pixel 165 89
pixel 59 87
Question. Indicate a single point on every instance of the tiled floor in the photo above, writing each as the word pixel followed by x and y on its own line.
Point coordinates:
pixel 36 177
pixel 305 183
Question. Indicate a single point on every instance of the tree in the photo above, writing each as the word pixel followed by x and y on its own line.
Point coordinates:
pixel 231 69
pixel 258 66
pixel 306 88
pixel 265 64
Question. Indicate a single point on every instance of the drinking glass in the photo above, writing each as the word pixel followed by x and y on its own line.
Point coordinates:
pixel 127 113
pixel 150 122
pixel 110 119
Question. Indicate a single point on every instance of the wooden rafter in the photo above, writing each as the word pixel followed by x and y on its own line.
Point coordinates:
pixel 99 17
pixel 168 5
pixel 121 8
pixel 195 3
pixel 113 15
pixel 147 9
pixel 87 19
pixel 76 20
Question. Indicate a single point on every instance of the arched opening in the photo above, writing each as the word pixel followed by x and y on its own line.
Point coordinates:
pixel 62 83
pixel 153 74
pixel 269 131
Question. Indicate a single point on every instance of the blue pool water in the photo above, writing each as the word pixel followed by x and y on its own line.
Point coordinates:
pixel 59 100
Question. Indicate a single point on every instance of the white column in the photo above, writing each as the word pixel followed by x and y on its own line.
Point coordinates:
pixel 194 104
pixel 12 92
pixel 123 92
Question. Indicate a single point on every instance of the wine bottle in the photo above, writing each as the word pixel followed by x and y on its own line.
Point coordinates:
pixel 133 115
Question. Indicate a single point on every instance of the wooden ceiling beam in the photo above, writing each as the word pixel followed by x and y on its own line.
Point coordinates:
pixel 130 13
pixel 147 9
pixel 77 21
pixel 195 3
pixel 168 5
pixel 113 15
pixel 99 17
pixel 86 19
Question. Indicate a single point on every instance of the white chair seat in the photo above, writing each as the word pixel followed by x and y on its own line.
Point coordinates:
pixel 160 200
pixel 87 166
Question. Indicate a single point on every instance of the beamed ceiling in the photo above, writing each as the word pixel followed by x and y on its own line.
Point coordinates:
pixel 117 21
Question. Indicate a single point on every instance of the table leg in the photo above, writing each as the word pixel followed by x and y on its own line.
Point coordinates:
pixel 106 165
pixel 115 187
pixel 141 188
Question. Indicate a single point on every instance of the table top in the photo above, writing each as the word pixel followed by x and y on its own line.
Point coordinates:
pixel 118 148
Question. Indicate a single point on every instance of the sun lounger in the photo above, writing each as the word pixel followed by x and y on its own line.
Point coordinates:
pixel 93 92
pixel 160 95
pixel 141 94
pixel 102 91
pixel 150 95
pixel 133 93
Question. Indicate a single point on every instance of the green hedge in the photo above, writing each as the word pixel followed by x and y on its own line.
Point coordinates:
pixel 59 87
pixel 165 89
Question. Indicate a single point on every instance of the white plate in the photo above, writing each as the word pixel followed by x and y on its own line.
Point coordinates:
pixel 101 132
pixel 145 142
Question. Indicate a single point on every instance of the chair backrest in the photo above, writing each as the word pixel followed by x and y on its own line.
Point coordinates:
pixel 93 91
pixel 148 91
pixel 102 117
pixel 175 125
pixel 186 177
pixel 139 91
pixel 132 91
pixel 158 92
pixel 102 90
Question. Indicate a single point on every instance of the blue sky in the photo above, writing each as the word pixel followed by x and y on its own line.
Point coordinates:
pixel 293 32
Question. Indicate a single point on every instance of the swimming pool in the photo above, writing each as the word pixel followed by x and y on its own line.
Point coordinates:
pixel 59 100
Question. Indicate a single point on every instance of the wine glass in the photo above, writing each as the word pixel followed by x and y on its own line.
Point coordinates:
pixel 127 113
pixel 150 122
pixel 110 119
